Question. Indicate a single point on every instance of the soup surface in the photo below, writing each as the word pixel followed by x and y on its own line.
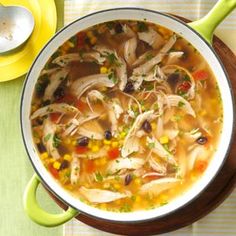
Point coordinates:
pixel 126 115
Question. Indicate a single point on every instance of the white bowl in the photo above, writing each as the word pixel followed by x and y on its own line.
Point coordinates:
pixel 186 32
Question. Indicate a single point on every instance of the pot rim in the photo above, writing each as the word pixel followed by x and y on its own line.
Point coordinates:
pixel 22 119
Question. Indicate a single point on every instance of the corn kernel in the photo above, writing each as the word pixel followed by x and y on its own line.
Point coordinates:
pixel 143 107
pixel 51 160
pixel 154 125
pixel 90 34
pixel 96 162
pixel 114 144
pixel 86 185
pixel 107 142
pixel 193 177
pixel 117 186
pixel 90 145
pixel 123 134
pixel 202 113
pixel 74 143
pixel 67 157
pixel 163 197
pixel 137 181
pixel 118 202
pixel 103 206
pixel 67 141
pixel 102 161
pixel 44 155
pixel 93 40
pixel 138 199
pixel 164 140
pixel 57 165
pixel 95 148
pixel 106 185
pixel 103 70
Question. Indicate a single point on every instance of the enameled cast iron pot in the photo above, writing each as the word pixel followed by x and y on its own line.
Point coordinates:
pixel 199 34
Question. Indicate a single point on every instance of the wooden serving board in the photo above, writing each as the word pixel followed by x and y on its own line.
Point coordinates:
pixel 213 196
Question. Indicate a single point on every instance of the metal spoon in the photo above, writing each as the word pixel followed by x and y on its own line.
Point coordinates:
pixel 16 25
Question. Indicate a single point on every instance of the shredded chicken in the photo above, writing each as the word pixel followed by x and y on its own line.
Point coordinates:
pixel 54 108
pixel 81 85
pixel 101 196
pixel 155 187
pixel 49 132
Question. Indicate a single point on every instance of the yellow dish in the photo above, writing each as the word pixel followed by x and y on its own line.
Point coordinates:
pixel 17 63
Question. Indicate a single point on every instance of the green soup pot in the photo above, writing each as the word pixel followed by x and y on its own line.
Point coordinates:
pixel 199 34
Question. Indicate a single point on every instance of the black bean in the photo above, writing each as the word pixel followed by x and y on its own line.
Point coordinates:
pixel 41 147
pixel 146 126
pixel 64 165
pixel 59 93
pixel 83 141
pixel 46 102
pixel 39 121
pixel 108 135
pixel 118 28
pixel 202 140
pixel 129 88
pixel 128 179
pixel 173 79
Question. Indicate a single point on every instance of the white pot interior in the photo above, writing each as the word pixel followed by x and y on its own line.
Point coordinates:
pixel 197 42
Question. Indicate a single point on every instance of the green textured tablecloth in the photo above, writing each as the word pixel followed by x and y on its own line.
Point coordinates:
pixel 15 168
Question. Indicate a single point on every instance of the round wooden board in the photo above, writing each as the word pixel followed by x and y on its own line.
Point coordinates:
pixel 213 196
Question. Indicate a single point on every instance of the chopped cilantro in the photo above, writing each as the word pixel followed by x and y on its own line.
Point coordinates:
pixel 163 203
pixel 125 208
pixel 176 118
pixel 110 25
pixel 56 141
pixel 151 145
pixel 112 77
pixel 142 27
pixel 99 177
pixel 47 137
pixel 181 104
pixel 149 56
pixel 186 78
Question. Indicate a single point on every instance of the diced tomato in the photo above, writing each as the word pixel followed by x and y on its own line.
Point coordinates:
pixel 200 75
pixel 201 165
pixel 81 149
pixel 184 87
pixel 54 117
pixel 80 39
pixel 80 105
pixel 70 99
pixel 152 177
pixel 90 167
pixel 53 171
pixel 113 153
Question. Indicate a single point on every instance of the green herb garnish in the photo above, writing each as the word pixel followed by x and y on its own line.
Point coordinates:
pixel 99 177
pixel 47 137
pixel 142 27
pixel 181 104
pixel 56 141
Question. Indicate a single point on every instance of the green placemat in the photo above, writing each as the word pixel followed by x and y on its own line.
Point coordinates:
pixel 15 167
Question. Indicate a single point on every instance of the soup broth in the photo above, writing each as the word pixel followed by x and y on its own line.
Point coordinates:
pixel 126 115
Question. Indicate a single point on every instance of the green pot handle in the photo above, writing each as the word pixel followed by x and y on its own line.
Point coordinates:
pixel 37 214
pixel 206 26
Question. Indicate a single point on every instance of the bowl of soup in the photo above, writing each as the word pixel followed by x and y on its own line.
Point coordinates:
pixel 127 115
